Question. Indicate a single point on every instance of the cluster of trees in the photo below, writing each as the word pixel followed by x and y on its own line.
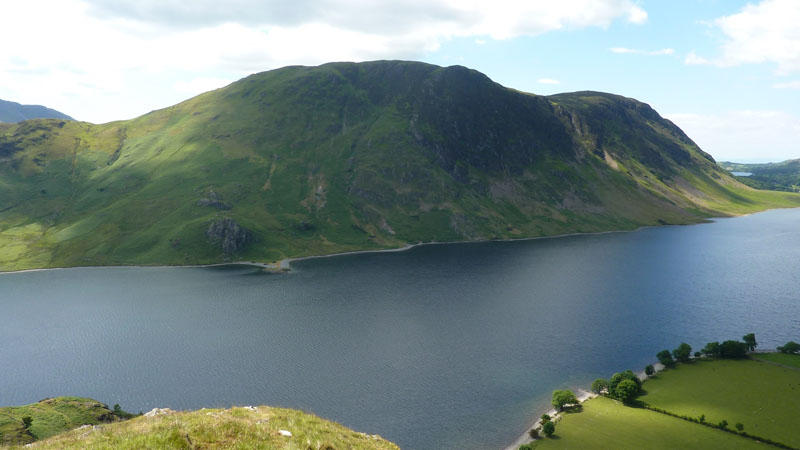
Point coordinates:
pixel 548 428
pixel 624 386
pixel 727 349
pixel 790 347
pixel 681 354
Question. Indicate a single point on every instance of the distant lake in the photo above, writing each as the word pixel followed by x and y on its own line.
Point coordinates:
pixel 742 174
pixel 442 346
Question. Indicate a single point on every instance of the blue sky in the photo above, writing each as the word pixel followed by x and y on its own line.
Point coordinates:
pixel 727 72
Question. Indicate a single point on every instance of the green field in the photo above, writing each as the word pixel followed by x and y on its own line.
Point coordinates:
pixel 764 396
pixel 607 424
pixel 780 358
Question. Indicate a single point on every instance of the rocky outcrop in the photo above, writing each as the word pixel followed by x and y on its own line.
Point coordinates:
pixel 227 233
pixel 213 204
pixel 213 201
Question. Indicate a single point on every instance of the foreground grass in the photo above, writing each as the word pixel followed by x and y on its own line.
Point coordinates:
pixel 607 424
pixel 49 417
pixel 762 396
pixel 780 358
pixel 236 428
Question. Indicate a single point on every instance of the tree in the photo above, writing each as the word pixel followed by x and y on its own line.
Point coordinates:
pixel 526 446
pixel 732 349
pixel 711 349
pixel 740 426
pixel 599 385
pixel 665 358
pixel 683 352
pixel 649 370
pixel 27 421
pixel 545 418
pixel 702 418
pixel 548 429
pixel 617 378
pixel 723 424
pixel 627 390
pixel 563 398
pixel 790 347
pixel 750 341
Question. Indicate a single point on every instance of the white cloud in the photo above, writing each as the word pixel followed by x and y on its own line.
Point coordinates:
pixel 548 81
pixel 787 85
pixel 624 50
pixel 499 19
pixel 744 135
pixel 766 32
pixel 100 60
pixel 693 60
pixel 637 15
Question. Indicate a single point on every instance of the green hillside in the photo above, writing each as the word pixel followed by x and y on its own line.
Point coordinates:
pixel 259 427
pixel 315 160
pixel 51 416
pixel 782 176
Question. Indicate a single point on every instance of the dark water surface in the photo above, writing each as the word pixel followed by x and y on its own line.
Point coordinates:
pixel 442 346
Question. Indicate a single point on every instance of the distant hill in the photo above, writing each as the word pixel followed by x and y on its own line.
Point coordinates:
pixel 782 176
pixel 316 160
pixel 14 112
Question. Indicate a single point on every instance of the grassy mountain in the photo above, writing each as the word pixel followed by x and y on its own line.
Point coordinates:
pixel 311 160
pixel 782 176
pixel 245 428
pixel 14 112
pixel 50 417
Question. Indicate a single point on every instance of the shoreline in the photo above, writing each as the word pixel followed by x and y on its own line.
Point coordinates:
pixel 582 395
pixel 284 265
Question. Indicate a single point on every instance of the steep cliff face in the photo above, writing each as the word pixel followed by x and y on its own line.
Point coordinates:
pixel 344 156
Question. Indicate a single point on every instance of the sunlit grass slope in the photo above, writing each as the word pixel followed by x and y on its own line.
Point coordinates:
pixel 237 428
pixel 315 160
pixel 49 417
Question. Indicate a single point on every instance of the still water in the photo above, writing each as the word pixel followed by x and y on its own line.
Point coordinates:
pixel 441 346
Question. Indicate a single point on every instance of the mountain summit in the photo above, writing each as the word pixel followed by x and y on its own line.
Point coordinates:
pixel 315 160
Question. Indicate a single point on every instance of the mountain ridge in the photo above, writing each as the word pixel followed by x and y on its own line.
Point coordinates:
pixel 301 161
pixel 12 112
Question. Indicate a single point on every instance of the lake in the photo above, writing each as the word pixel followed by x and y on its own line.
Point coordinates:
pixel 441 346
